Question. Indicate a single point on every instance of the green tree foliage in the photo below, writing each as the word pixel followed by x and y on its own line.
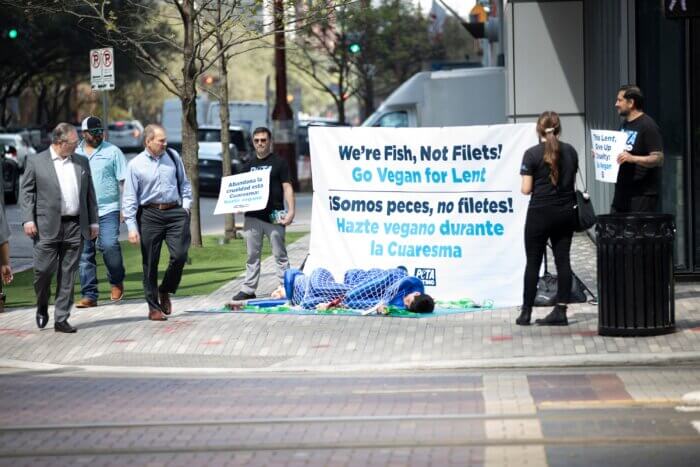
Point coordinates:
pixel 50 56
pixel 319 53
pixel 393 40
pixel 399 42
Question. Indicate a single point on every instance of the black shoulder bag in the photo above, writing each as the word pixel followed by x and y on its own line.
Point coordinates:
pixel 585 214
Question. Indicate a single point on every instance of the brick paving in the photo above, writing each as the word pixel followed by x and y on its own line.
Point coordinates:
pixel 119 336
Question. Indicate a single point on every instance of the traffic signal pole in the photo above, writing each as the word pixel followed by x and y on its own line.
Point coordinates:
pixel 282 116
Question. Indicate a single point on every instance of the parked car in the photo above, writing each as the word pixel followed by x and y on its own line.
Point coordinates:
pixel 127 135
pixel 10 173
pixel 35 136
pixel 210 158
pixel 22 148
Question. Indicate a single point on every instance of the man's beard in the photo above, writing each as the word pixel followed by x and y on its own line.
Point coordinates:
pixel 623 113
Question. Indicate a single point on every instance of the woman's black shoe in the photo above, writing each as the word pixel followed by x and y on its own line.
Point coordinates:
pixel 557 317
pixel 524 318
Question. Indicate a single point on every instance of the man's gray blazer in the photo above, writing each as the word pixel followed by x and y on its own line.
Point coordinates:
pixel 40 195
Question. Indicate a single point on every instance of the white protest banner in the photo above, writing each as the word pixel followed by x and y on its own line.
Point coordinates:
pixel 607 145
pixel 443 202
pixel 244 192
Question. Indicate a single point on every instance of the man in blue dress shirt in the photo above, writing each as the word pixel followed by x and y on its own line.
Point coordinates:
pixel 108 166
pixel 156 208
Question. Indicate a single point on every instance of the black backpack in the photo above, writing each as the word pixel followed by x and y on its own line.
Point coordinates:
pixel 547 289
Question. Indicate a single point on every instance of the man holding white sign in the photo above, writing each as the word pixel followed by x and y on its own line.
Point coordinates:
pixel 637 187
pixel 271 220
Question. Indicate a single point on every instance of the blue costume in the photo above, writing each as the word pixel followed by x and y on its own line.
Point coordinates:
pixel 360 290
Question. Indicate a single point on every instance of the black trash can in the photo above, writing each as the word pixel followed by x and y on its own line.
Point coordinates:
pixel 635 274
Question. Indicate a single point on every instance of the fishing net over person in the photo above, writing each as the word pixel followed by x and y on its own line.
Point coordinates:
pixel 360 289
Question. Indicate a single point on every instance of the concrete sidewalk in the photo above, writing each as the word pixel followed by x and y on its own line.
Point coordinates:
pixel 119 338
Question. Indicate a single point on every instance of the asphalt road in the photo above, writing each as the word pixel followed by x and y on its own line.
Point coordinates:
pixel 594 417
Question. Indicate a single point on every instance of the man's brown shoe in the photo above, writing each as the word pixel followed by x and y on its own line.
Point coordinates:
pixel 86 302
pixel 165 302
pixel 156 315
pixel 117 292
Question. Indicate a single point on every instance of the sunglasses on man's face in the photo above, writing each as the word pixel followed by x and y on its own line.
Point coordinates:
pixel 260 140
pixel 96 131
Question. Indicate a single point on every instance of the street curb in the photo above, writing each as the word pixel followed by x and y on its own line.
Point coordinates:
pixel 572 361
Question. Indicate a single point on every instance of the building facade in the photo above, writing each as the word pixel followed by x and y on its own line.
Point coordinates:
pixel 571 56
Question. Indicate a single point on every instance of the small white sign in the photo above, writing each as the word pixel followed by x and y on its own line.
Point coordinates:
pixel 607 145
pixel 102 69
pixel 244 192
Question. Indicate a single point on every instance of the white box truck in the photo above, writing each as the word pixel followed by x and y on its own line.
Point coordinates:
pixel 249 115
pixel 171 118
pixel 460 97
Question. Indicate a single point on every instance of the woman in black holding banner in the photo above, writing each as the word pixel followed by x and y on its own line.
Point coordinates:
pixel 548 175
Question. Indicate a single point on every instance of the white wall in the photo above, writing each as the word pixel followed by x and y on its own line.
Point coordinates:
pixel 545 65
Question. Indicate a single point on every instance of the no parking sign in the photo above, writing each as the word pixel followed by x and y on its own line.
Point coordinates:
pixel 102 69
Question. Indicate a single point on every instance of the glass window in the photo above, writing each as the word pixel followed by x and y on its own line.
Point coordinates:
pixel 393 120
pixel 120 127
pixel 209 136
pixel 661 74
pixel 238 140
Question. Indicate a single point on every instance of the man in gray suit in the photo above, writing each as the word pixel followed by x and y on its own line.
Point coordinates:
pixel 59 209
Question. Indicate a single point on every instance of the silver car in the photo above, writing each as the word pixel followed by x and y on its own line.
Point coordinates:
pixel 22 148
pixel 127 135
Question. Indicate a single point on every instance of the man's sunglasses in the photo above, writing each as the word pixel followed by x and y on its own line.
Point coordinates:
pixel 96 131
pixel 260 140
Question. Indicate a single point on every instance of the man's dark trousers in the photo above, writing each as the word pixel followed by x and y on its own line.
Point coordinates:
pixel 645 203
pixel 59 255
pixel 156 226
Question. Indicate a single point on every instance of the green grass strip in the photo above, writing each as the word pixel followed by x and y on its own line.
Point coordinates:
pixel 209 268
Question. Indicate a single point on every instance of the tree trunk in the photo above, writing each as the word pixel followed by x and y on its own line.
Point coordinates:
pixel 41 116
pixel 190 145
pixel 366 66
pixel 367 94
pixel 340 102
pixel 282 117
pixel 341 110
pixel 229 219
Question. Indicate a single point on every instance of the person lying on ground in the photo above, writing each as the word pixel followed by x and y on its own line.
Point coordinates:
pixel 370 290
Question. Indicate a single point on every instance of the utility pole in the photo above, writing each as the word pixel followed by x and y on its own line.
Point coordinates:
pixel 282 117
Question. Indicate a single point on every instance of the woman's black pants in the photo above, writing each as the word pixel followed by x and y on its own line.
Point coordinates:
pixel 554 223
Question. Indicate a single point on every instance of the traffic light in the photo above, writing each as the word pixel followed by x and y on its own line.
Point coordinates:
pixel 353 42
pixel 209 80
pixel 478 14
pixel 11 34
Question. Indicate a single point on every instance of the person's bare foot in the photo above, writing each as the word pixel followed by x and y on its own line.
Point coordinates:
pixel 278 293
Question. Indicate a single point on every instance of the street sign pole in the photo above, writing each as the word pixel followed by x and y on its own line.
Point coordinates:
pixel 102 78
pixel 105 113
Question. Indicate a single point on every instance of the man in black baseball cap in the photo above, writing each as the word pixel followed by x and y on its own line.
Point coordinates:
pixel 92 123
pixel 108 167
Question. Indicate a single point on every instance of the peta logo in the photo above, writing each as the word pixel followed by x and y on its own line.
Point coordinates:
pixel 426 275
